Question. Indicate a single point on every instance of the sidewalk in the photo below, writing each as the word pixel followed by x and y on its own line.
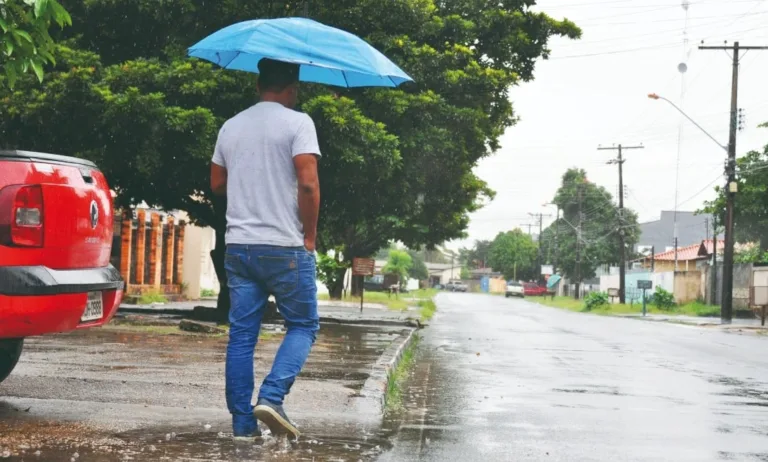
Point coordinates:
pixel 737 323
pixel 135 391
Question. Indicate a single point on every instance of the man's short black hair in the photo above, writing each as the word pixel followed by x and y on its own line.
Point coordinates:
pixel 277 75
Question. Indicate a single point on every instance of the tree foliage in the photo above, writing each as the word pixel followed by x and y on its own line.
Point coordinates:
pixel 25 43
pixel 397 164
pixel 513 253
pixel 750 215
pixel 601 227
pixel 398 264
pixel 476 256
pixel 419 269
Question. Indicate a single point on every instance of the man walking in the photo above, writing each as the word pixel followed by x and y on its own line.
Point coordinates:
pixel 265 162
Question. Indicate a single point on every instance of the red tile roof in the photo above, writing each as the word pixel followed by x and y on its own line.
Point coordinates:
pixel 691 252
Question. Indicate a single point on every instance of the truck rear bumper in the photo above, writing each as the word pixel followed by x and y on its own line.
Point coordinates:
pixel 35 300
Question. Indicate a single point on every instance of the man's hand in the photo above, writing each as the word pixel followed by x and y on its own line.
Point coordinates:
pixel 309 244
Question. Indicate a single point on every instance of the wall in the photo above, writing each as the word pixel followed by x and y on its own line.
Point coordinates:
pixel 198 272
pixel 687 286
pixel 498 285
pixel 665 280
pixel 742 273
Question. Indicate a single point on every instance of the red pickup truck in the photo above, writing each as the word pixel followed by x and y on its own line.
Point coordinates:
pixel 55 244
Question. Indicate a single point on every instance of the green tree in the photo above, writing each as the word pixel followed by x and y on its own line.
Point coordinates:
pixel 476 256
pixel 419 269
pixel 398 264
pixel 601 227
pixel 513 253
pixel 397 164
pixel 465 274
pixel 750 214
pixel 25 44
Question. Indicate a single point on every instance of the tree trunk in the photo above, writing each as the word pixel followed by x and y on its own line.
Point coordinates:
pixel 336 287
pixel 217 255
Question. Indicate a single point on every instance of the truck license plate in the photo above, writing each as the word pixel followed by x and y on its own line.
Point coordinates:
pixel 94 308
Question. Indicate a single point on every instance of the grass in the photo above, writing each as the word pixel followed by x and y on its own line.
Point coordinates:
pixel 688 309
pixel 428 309
pixel 397 378
pixel 208 293
pixel 398 303
pixel 152 296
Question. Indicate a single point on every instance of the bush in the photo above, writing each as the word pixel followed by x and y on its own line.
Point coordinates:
pixel 595 300
pixel 152 296
pixel 663 300
pixel 208 293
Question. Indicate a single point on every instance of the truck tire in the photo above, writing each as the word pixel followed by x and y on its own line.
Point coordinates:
pixel 10 350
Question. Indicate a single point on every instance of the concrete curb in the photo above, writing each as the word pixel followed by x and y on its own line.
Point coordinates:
pixel 184 313
pixel 373 396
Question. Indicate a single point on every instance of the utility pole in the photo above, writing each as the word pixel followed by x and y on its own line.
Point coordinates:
pixel 540 216
pixel 557 242
pixel 578 250
pixel 714 260
pixel 623 254
pixel 529 225
pixel 726 308
pixel 653 259
pixel 706 227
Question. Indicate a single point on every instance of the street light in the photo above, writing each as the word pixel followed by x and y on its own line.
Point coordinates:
pixel 657 97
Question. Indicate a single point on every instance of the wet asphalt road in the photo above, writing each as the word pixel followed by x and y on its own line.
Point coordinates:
pixel 508 380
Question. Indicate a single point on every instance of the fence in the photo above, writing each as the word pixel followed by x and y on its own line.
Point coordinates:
pixel 150 254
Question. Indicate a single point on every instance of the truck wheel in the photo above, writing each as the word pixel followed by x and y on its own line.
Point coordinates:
pixel 10 350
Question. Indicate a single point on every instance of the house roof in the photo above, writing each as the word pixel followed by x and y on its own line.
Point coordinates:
pixel 691 252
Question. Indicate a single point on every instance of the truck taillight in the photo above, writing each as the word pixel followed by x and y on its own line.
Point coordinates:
pixel 21 216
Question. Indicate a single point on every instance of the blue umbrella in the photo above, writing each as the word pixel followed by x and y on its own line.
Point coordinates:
pixel 327 55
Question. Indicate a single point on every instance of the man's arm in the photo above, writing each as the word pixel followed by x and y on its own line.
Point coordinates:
pixel 218 179
pixel 309 196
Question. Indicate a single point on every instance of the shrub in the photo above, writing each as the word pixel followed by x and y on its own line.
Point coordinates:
pixel 152 296
pixel 208 293
pixel 663 300
pixel 595 300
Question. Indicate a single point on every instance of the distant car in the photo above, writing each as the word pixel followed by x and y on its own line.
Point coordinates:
pixel 532 289
pixel 374 284
pixel 456 286
pixel 514 289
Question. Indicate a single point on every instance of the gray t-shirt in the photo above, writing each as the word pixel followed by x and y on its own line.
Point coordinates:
pixel 257 147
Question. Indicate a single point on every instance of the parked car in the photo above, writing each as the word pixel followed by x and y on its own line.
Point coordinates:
pixel 374 283
pixel 531 289
pixel 55 244
pixel 514 289
pixel 456 286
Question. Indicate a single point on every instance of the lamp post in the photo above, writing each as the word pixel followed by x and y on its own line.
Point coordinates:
pixel 726 305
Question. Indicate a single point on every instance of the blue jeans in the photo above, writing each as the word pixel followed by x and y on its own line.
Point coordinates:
pixel 254 272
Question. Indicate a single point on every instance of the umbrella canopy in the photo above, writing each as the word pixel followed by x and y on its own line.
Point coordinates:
pixel 553 280
pixel 325 54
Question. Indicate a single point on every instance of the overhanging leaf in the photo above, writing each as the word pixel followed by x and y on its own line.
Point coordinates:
pixel 38 70
pixel 40 7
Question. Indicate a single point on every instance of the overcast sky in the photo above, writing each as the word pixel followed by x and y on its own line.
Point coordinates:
pixel 594 92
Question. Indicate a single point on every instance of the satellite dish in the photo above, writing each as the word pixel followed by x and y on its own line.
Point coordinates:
pixel 682 67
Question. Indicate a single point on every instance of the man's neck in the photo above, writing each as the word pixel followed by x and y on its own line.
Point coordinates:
pixel 272 98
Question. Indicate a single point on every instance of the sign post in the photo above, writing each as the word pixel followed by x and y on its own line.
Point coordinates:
pixel 644 285
pixel 363 267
